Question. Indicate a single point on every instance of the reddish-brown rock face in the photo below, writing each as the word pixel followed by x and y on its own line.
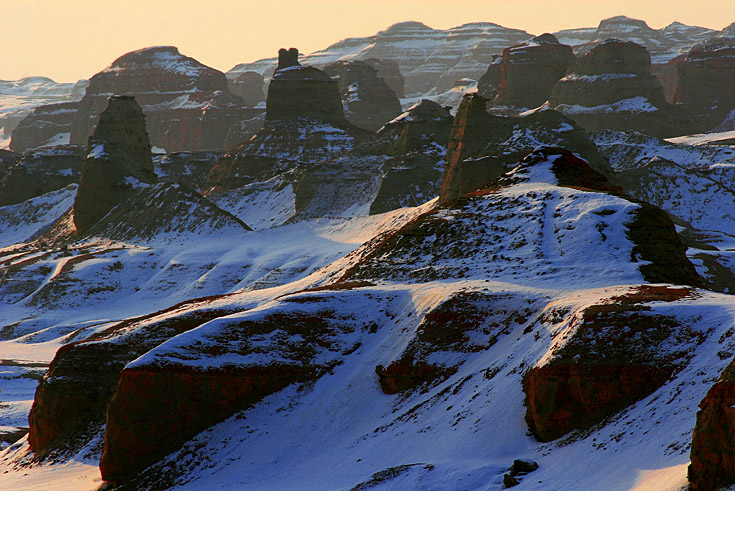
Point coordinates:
pixel 155 410
pixel 529 71
pixel 369 102
pixel 612 87
pixel 616 356
pixel 188 105
pixel 707 80
pixel 713 442
pixel 77 389
pixel 45 123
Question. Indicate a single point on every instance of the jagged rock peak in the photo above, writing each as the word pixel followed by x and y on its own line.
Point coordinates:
pixel 118 160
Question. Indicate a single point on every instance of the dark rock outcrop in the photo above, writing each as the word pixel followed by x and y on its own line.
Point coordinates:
pixel 390 73
pixel 7 159
pixel 529 71
pixel 706 82
pixel 483 146
pixel 45 124
pixel 187 168
pixel 713 441
pixel 188 105
pixel 41 171
pixel 612 87
pixel 249 86
pixel 369 103
pixel 615 357
pixel 118 163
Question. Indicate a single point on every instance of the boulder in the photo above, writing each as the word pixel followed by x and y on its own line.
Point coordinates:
pixel 706 82
pixel 369 103
pixel 41 171
pixel 713 441
pixel 529 71
pixel 612 87
pixel 188 105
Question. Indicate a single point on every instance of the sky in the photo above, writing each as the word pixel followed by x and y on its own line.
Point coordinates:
pixel 74 39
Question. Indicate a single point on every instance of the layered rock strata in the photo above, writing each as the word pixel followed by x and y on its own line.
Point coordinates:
pixel 612 87
pixel 188 105
pixel 41 171
pixel 304 123
pixel 49 124
pixel 529 71
pixel 706 82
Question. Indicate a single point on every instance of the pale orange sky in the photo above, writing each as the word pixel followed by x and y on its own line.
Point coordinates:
pixel 73 39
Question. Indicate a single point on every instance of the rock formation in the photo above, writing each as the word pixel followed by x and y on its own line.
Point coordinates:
pixel 416 143
pixel 611 87
pixel 483 146
pixel 712 455
pixel 118 163
pixel 390 73
pixel 706 81
pixel 304 123
pixel 41 171
pixel 302 92
pixel 50 123
pixel 489 83
pixel 529 71
pixel 7 159
pixel 188 105
pixel 615 357
pixel 119 195
pixel 369 102
pixel 249 86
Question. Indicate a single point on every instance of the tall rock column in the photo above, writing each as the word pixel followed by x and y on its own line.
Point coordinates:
pixel 118 161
